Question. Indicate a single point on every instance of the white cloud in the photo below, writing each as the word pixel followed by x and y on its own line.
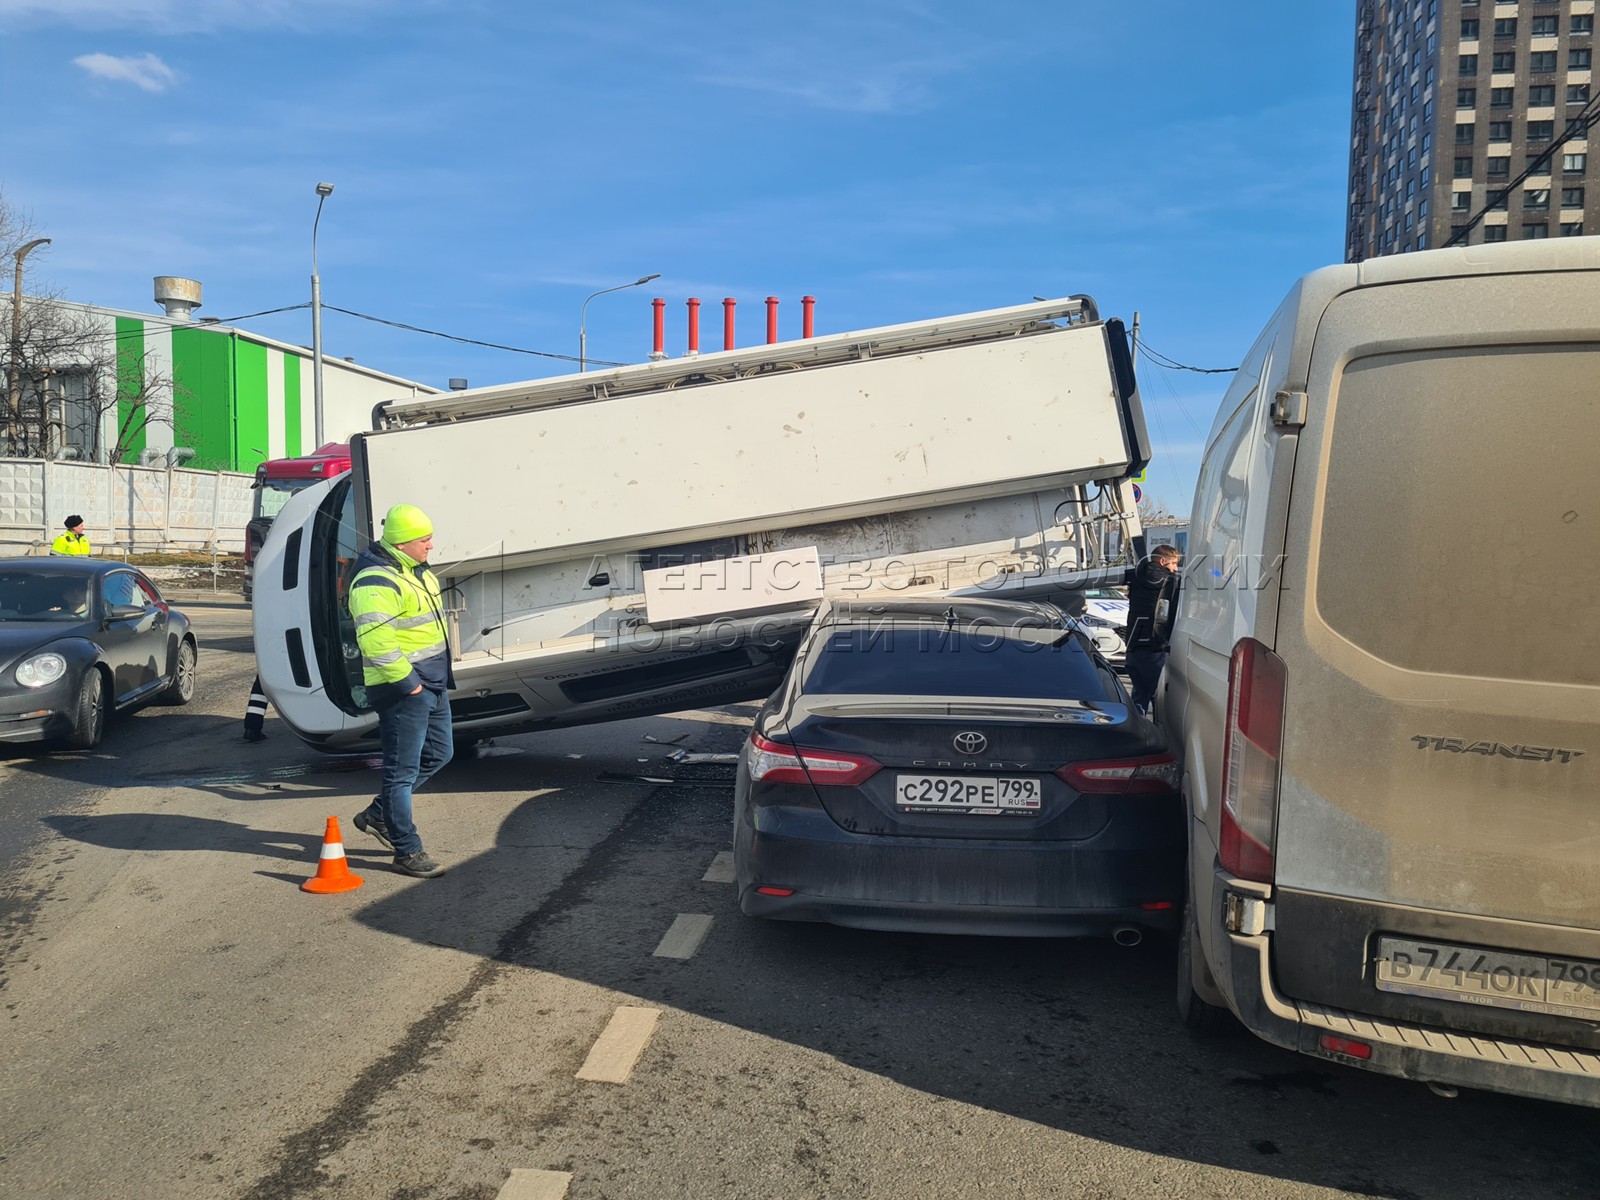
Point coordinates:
pixel 144 71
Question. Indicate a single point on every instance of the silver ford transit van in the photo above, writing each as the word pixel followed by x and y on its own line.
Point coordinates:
pixel 1385 675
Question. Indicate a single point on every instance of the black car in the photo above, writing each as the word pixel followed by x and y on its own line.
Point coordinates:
pixel 957 766
pixel 81 638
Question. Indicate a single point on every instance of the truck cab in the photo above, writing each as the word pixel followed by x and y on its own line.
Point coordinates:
pixel 278 479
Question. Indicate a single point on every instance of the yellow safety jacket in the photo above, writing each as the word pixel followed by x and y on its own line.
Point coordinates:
pixel 70 543
pixel 400 625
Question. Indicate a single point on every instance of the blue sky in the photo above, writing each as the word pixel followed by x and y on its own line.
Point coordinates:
pixel 497 162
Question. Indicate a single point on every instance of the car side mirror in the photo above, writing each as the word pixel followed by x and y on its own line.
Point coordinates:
pixel 126 612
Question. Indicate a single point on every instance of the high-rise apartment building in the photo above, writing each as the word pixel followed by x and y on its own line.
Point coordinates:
pixel 1455 100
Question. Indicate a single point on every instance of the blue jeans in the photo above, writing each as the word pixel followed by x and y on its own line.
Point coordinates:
pixel 1144 672
pixel 415 735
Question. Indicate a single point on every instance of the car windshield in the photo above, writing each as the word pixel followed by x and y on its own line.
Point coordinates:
pixel 931 660
pixel 273 494
pixel 43 596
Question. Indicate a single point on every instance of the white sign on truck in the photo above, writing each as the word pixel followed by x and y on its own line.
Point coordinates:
pixel 653 537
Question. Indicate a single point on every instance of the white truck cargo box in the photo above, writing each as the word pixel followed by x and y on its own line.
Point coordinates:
pixel 654 536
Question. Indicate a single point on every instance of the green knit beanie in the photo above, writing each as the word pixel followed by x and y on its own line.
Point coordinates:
pixel 405 523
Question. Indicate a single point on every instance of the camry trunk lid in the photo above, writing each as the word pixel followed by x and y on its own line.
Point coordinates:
pixel 1003 754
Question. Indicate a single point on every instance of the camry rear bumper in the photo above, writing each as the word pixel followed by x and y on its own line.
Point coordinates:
pixel 1086 887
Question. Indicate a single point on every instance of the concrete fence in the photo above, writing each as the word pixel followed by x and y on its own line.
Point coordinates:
pixel 125 509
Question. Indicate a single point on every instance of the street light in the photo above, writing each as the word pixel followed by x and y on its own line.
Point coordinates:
pixel 15 415
pixel 583 318
pixel 324 190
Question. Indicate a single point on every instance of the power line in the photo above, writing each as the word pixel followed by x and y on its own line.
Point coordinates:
pixel 139 334
pixel 1172 392
pixel 263 313
pixel 466 340
pixel 1161 360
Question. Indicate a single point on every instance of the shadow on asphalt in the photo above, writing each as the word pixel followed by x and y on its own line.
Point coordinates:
pixel 173 831
pixel 1080 1036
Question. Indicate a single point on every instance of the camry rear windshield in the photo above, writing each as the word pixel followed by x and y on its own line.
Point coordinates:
pixel 931 660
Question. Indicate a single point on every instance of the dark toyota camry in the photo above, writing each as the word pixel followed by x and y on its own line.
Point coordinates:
pixel 960 766
pixel 81 638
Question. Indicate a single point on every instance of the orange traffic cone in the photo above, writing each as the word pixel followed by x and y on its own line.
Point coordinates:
pixel 333 873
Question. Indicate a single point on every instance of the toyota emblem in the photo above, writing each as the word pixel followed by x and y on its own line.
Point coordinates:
pixel 970 743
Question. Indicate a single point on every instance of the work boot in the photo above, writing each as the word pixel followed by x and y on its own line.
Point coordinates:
pixel 375 828
pixel 418 864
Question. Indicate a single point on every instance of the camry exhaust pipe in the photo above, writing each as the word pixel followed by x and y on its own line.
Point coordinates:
pixel 1127 935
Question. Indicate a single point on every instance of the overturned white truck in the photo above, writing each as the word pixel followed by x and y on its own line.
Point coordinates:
pixel 654 537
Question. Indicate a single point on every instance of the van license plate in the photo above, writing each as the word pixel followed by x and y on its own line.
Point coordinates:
pixel 990 793
pixel 1565 987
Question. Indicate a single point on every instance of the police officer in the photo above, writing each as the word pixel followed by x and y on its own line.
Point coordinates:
pixel 74 541
pixel 1152 596
pixel 405 662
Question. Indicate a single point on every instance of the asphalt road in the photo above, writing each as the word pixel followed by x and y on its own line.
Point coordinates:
pixel 181 1021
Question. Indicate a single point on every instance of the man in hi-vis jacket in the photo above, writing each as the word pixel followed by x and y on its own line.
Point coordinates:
pixel 74 542
pixel 405 662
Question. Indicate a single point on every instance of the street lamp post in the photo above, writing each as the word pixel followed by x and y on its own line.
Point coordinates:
pixel 583 318
pixel 324 190
pixel 15 391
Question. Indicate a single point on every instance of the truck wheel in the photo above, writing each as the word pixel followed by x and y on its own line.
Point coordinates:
pixel 89 723
pixel 181 689
pixel 1199 1016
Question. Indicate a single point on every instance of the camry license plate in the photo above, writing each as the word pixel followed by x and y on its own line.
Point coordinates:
pixel 1565 987
pixel 985 793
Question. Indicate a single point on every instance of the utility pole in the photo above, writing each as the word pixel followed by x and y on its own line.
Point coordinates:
pixel 324 190
pixel 15 415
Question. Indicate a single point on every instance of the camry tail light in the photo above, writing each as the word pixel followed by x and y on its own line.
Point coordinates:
pixel 1153 775
pixel 773 762
pixel 1256 679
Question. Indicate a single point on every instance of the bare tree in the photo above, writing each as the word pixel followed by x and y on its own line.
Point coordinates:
pixel 71 385
pixel 1153 511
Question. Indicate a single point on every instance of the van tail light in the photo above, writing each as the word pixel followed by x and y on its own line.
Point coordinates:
pixel 1156 775
pixel 1256 680
pixel 773 762
pixel 250 547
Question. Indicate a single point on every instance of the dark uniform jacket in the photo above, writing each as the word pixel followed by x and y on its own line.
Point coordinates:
pixel 1150 621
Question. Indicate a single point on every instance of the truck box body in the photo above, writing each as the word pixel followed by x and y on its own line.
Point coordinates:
pixel 655 536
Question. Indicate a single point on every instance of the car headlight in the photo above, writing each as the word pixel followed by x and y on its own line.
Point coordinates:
pixel 41 669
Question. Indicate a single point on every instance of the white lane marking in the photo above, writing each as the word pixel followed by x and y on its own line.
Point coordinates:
pixel 621 1042
pixel 721 869
pixel 685 936
pixel 523 1184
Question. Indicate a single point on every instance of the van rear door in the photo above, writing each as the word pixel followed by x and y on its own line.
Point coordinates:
pixel 1438 854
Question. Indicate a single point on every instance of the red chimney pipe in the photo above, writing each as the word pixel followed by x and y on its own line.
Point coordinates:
pixel 659 350
pixel 694 324
pixel 772 319
pixel 728 305
pixel 807 324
